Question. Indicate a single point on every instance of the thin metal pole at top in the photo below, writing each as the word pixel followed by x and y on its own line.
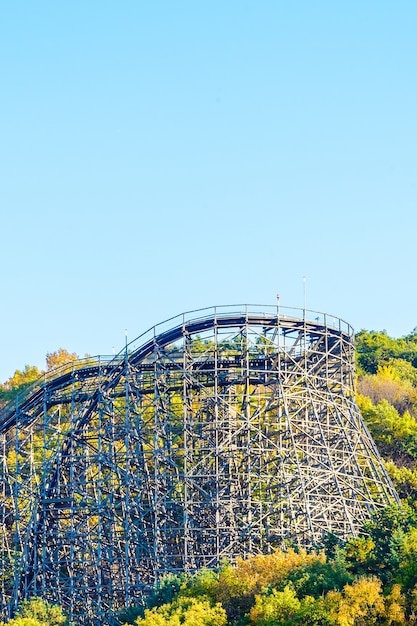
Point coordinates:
pixel 304 295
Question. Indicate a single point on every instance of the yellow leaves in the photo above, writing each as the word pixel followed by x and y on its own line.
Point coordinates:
pixel 238 585
pixel 359 549
pixel 364 403
pixel 399 369
pixel 185 611
pixel 28 375
pixel 410 543
pixel 277 607
pixel 402 475
pixel 395 434
pixel 259 571
pixel 388 372
pixel 395 605
pixel 24 621
pixel 362 603
pixel 37 612
pixel 390 384
pixel 153 618
pixel 22 378
pixel 59 358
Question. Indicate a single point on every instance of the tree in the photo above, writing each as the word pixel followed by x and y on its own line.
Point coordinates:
pixel 276 607
pixel 407 571
pixel 19 382
pixel 394 434
pixel 59 358
pixel 388 529
pixel 38 612
pixel 376 348
pixel 317 578
pixel 359 552
pixel 361 604
pixel 239 584
pixel 23 621
pixel 273 608
pixel 373 348
pixel 404 479
pixel 387 385
pixel 185 611
pixel 395 606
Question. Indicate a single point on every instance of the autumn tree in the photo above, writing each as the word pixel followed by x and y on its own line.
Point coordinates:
pixel 361 604
pixel 394 434
pixel 38 612
pixel 184 611
pixel 19 382
pixel 59 358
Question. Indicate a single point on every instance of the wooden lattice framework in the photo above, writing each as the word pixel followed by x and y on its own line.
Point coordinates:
pixel 220 433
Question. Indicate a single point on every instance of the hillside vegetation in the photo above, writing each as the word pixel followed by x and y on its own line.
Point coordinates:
pixel 369 580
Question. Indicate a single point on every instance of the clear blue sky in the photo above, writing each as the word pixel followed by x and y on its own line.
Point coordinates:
pixel 157 157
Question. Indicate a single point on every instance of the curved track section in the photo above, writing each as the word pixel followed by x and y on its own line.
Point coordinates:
pixel 220 433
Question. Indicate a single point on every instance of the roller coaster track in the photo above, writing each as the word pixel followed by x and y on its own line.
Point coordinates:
pixel 34 396
pixel 170 457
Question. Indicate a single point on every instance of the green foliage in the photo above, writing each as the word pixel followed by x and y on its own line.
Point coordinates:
pixel 387 385
pixel 239 584
pixel 23 621
pixel 129 615
pixel 385 545
pixel 38 612
pixel 166 589
pixel 375 348
pixel 46 613
pixel 184 611
pixel 276 607
pixel 405 481
pixel 200 346
pixel 394 434
pixel 400 369
pixel 23 379
pixel 361 603
pixel 18 383
pixel 204 583
pixel 331 545
pixel 359 553
pixel 319 577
